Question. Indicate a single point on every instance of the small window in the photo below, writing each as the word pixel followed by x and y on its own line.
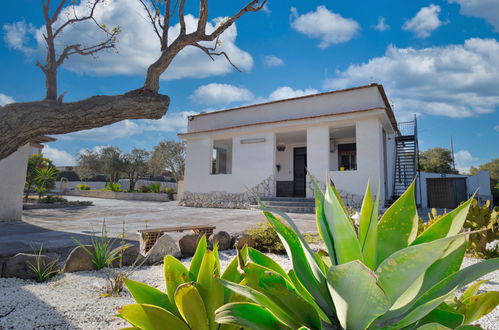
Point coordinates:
pixel 221 157
pixel 347 157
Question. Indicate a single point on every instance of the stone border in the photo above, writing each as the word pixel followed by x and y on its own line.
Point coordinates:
pixel 130 196
pixel 57 205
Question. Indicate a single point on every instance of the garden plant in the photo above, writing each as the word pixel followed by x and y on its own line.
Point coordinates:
pixel 385 276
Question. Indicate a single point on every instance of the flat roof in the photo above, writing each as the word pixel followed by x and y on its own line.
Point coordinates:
pixel 388 108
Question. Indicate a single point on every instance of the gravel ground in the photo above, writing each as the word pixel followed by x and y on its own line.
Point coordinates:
pixel 74 301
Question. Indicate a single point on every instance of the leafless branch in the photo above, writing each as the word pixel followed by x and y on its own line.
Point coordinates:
pixel 152 18
pixel 211 51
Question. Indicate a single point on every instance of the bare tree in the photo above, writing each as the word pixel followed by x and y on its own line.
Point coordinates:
pixel 169 156
pixel 22 122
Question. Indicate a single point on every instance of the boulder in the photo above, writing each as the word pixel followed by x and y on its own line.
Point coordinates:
pixel 19 265
pixel 130 256
pixel 223 239
pixel 165 245
pixel 188 244
pixel 240 240
pixel 79 260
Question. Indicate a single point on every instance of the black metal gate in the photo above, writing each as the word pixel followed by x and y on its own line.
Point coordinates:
pixel 446 192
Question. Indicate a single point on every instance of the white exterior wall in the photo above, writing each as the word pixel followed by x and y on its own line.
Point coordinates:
pixel 369 141
pixel 12 179
pixel 251 164
pixel 318 149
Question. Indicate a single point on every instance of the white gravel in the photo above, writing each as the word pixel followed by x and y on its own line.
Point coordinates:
pixel 74 301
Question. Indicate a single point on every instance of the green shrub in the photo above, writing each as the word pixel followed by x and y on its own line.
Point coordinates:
pixel 52 199
pixel 265 238
pixel 192 295
pixel 155 187
pixel 102 251
pixel 82 186
pixel 113 186
pixel 42 270
pixel 384 276
pixel 170 191
pixel 479 218
pixel 144 189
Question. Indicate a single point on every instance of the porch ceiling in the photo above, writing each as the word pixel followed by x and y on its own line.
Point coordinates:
pixel 292 137
pixel 342 132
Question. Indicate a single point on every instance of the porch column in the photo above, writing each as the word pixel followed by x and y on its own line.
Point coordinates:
pixel 318 149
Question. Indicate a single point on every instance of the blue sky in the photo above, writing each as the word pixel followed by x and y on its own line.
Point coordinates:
pixel 436 59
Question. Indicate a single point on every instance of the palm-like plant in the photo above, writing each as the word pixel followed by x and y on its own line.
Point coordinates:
pixel 384 276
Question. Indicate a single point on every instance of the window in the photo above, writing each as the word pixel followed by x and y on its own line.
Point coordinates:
pixel 221 157
pixel 347 157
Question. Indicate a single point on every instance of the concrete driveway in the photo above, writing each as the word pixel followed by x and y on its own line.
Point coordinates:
pixel 56 227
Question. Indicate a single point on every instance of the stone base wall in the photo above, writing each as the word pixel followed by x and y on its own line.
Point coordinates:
pixel 150 197
pixel 226 200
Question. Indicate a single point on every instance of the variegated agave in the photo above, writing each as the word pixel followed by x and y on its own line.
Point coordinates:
pixel 383 277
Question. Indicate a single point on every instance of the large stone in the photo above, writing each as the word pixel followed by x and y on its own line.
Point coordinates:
pixel 223 239
pixel 188 244
pixel 79 260
pixel 165 245
pixel 240 240
pixel 130 256
pixel 19 265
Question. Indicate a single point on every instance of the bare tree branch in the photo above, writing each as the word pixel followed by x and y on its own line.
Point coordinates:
pixel 211 51
pixel 181 18
pixel 152 19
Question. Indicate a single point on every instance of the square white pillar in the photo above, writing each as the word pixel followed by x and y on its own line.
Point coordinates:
pixel 318 149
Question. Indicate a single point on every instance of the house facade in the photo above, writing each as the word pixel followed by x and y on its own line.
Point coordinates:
pixel 268 149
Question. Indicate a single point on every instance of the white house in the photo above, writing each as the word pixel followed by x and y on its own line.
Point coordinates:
pixel 348 135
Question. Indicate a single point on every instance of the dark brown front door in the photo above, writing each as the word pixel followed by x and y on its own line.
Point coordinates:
pixel 299 171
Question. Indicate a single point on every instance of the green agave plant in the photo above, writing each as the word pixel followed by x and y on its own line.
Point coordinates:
pixel 386 276
pixel 192 295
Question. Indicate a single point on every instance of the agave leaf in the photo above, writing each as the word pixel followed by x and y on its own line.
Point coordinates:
pixel 323 228
pixel 459 279
pixel 399 271
pixel 446 318
pixel 450 224
pixel 472 290
pixel 145 294
pixel 421 311
pixel 306 295
pixel 265 261
pixel 175 274
pixel 149 317
pixel 303 260
pixel 191 306
pixel 209 288
pixel 197 258
pixel 263 300
pixel 357 297
pixel 237 314
pixel 432 326
pixel 398 226
pixel 346 244
pixel 480 305
pixel 233 273
pixel 368 230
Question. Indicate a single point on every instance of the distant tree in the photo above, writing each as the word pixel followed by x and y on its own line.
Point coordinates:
pixel 135 165
pixel 35 162
pixel 169 156
pixel 436 160
pixel 492 167
pixel 107 161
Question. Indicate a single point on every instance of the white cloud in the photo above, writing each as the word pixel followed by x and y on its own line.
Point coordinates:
pixel 17 35
pixel 496 128
pixel 266 9
pixel 5 99
pixel 452 80
pixel 287 92
pixel 220 94
pixel 59 157
pixel 271 60
pixel 486 9
pixel 464 160
pixel 137 46
pixel 425 22
pixel 172 122
pixel 323 24
pixel 381 26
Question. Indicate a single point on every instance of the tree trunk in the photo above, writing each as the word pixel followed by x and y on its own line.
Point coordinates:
pixel 51 85
pixel 20 123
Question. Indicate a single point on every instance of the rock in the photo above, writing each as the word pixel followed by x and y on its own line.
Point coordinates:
pixel 19 265
pixel 223 239
pixel 79 260
pixel 130 256
pixel 241 240
pixel 188 244
pixel 165 245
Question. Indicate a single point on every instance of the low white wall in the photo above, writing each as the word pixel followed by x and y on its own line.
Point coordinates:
pixel 72 185
pixel 12 179
pixel 125 184
pixel 161 197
